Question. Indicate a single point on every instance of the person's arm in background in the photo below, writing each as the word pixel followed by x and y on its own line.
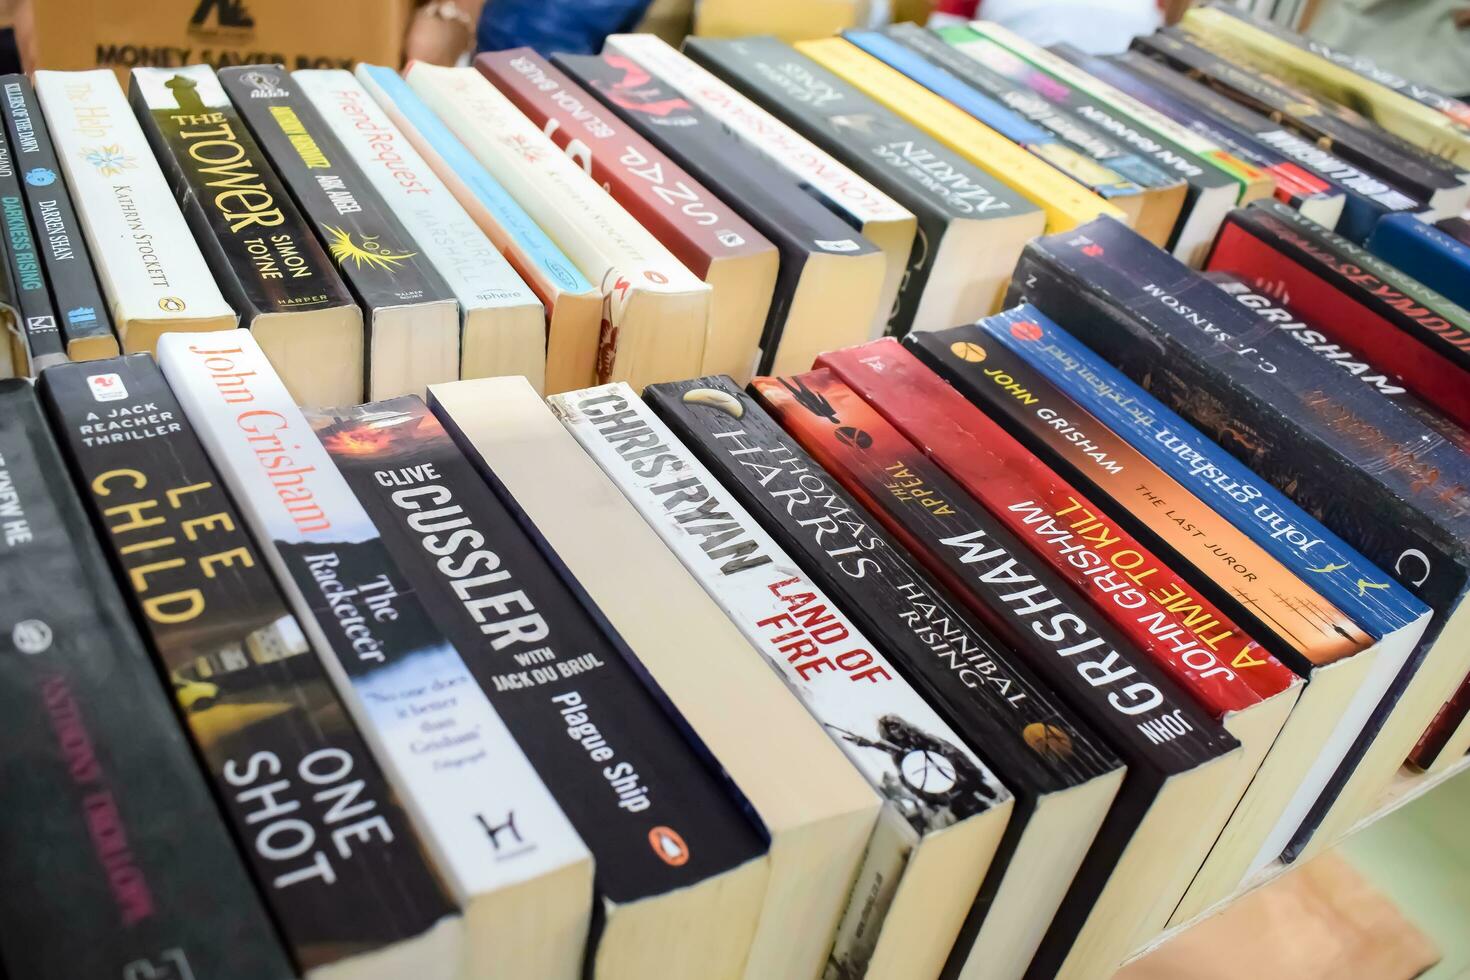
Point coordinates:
pixel 441 31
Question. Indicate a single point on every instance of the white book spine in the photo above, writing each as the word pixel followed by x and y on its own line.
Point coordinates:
pixel 475 270
pixel 925 774
pixel 458 769
pixel 146 257
pixel 759 130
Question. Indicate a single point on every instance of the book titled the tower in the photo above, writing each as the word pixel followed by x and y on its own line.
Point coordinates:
pixel 681 871
pixel 101 794
pixel 1063 777
pixel 37 343
pixel 1157 833
pixel 703 232
pixel 444 749
pixel 655 312
pixel 330 847
pixel 411 317
pixel 263 254
pixel 152 272
pixel 970 226
pixel 944 811
pixel 86 326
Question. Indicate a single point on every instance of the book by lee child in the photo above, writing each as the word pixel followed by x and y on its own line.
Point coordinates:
pixel 573 305
pixel 944 810
pixel 871 212
pixel 680 870
pixel 37 343
pixel 86 326
pixel 263 254
pixel 502 326
pixel 830 278
pixel 816 808
pixel 412 320
pixel 1064 778
pixel 702 232
pixel 152 272
pixel 969 223
pixel 99 786
pixel 443 748
pixel 331 849
pixel 1398 322
pixel 1354 461
pixel 1157 833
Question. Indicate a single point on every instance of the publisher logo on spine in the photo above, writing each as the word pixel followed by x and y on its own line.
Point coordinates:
pixel 107 387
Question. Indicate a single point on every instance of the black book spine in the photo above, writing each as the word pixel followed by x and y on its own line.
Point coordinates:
pixel 328 842
pixel 655 817
pixel 85 324
pixel 377 256
pixel 262 253
pixel 115 860
pixel 32 297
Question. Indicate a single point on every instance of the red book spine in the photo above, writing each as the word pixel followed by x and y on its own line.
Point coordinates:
pixel 1427 373
pixel 1211 656
pixel 693 224
pixel 1445 723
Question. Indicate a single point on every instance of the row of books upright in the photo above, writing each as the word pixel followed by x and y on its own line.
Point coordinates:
pixel 990 654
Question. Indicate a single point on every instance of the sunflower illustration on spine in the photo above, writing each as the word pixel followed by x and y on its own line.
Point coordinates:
pixel 369 253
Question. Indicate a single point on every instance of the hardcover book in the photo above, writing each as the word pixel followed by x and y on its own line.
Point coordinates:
pixel 1366 197
pixel 702 232
pixel 1065 202
pixel 990 69
pixel 1356 463
pixel 817 810
pixel 502 326
pixel 1398 322
pixel 573 305
pixel 1433 256
pixel 330 847
pixel 944 811
pixel 830 278
pixel 1433 120
pixel 871 212
pixel 448 756
pixel 94 747
pixel 1062 776
pixel 86 327
pixel 1176 755
pixel 970 226
pixel 412 321
pixel 152 272
pixel 655 312
pixel 1334 127
pixel 1199 184
pixel 37 343
pixel 1209 654
pixel 680 870
pixel 263 254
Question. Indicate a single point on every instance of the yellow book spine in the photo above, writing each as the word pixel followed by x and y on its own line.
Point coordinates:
pixel 1066 203
pixel 1395 112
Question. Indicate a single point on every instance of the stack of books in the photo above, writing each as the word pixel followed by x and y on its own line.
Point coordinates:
pixel 910 504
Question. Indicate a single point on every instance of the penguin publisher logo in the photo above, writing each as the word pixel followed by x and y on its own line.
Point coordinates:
pixel 669 846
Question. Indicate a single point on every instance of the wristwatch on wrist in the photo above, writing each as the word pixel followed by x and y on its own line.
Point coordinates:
pixel 450 11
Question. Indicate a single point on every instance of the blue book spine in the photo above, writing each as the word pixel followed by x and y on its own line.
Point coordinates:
pixel 1429 255
pixel 496 199
pixel 1293 537
pixel 945 85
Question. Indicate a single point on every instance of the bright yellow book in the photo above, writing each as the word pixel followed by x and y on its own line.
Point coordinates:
pixel 1066 203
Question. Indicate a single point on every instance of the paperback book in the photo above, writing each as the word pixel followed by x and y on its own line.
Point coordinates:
pixel 37 343
pixel 1436 258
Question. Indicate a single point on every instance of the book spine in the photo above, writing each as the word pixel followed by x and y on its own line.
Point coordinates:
pixel 98 785
pixel 86 327
pixel 1207 652
pixel 375 254
pixel 146 257
pixel 43 341
pixel 654 817
pixel 389 662
pixel 331 849
pixel 1433 257
pixel 1456 228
